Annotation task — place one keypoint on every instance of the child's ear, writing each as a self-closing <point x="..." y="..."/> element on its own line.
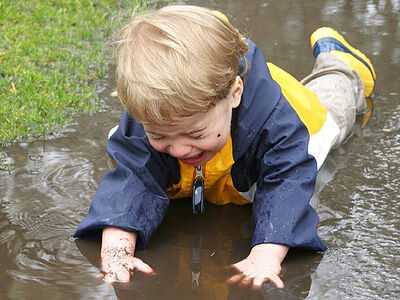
<point x="237" y="91"/>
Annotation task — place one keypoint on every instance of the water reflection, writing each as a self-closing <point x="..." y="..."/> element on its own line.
<point x="51" y="184"/>
<point x="191" y="256"/>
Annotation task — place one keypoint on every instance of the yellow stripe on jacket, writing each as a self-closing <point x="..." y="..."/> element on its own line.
<point x="218" y="183"/>
<point x="304" y="102"/>
<point x="321" y="127"/>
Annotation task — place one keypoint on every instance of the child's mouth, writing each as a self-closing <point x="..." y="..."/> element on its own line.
<point x="194" y="160"/>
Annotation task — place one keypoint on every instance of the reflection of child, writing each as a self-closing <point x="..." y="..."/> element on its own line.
<point x="196" y="93"/>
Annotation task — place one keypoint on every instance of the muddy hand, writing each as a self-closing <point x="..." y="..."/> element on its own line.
<point x="118" y="265"/>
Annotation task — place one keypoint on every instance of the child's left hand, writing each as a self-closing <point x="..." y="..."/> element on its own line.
<point x="262" y="264"/>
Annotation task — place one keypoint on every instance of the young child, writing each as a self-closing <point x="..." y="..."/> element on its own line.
<point x="196" y="93"/>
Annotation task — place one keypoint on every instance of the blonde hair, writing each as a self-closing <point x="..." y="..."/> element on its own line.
<point x="176" y="61"/>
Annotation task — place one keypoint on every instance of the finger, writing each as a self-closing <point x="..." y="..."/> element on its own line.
<point x="257" y="283"/>
<point x="123" y="276"/>
<point x="276" y="281"/>
<point x="234" y="268"/>
<point x="143" y="267"/>
<point x="228" y="271"/>
<point x="246" y="281"/>
<point x="235" y="279"/>
<point x="100" y="276"/>
<point x="110" y="277"/>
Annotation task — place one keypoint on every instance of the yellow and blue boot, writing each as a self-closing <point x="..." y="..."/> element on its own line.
<point x="326" y="39"/>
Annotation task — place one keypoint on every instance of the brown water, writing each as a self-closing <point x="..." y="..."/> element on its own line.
<point x="50" y="184"/>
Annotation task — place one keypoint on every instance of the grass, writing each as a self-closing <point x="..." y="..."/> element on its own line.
<point x="53" y="53"/>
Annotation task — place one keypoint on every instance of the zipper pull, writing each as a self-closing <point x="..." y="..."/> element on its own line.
<point x="198" y="191"/>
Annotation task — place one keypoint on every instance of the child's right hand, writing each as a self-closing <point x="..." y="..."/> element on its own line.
<point x="117" y="256"/>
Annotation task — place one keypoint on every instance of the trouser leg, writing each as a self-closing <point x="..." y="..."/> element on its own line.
<point x="340" y="89"/>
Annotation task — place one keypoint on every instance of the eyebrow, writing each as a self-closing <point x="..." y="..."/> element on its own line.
<point x="151" y="132"/>
<point x="186" y="132"/>
<point x="196" y="130"/>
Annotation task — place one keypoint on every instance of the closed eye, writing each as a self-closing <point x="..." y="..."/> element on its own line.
<point x="156" y="137"/>
<point x="198" y="137"/>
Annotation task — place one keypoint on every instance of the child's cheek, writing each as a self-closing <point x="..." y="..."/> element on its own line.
<point x="157" y="145"/>
<point x="219" y="142"/>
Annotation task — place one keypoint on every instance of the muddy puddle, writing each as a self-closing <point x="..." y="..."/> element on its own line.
<point x="50" y="184"/>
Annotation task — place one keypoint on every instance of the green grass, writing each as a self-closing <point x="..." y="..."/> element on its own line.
<point x="53" y="53"/>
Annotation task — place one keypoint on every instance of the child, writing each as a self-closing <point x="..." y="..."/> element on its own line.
<point x="197" y="93"/>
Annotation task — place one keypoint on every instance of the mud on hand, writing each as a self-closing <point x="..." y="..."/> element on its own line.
<point x="118" y="265"/>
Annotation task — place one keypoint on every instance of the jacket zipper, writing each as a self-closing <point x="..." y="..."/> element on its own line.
<point x="198" y="191"/>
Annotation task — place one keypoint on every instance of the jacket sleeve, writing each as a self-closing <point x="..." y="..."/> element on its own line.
<point x="285" y="183"/>
<point x="131" y="196"/>
<point x="270" y="145"/>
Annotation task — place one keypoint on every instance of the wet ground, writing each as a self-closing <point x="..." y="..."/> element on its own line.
<point x="49" y="185"/>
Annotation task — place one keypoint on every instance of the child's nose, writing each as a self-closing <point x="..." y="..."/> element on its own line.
<point x="180" y="150"/>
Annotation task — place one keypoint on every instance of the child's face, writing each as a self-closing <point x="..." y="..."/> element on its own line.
<point x="194" y="140"/>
